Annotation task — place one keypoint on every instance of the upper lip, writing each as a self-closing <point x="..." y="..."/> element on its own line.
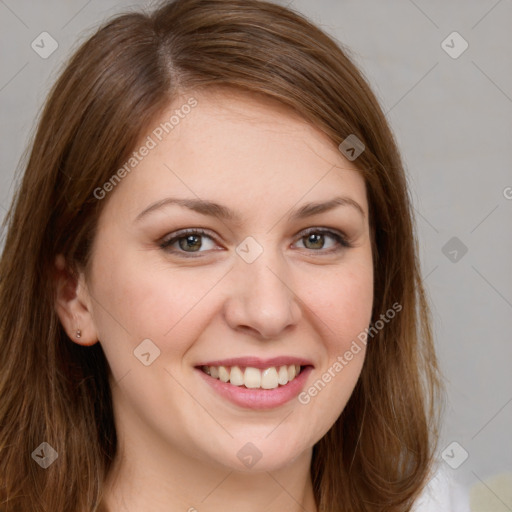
<point x="256" y="362"/>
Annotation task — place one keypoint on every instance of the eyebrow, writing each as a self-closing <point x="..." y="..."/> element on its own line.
<point x="219" y="211"/>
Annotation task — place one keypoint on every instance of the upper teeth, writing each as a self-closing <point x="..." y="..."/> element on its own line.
<point x="250" y="377"/>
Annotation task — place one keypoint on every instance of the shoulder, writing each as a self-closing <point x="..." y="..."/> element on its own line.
<point x="443" y="494"/>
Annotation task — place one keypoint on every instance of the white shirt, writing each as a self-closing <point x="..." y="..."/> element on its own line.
<point x="443" y="494"/>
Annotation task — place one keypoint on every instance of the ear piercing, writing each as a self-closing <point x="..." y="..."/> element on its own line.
<point x="78" y="333"/>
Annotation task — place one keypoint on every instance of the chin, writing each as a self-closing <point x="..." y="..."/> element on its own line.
<point x="262" y="454"/>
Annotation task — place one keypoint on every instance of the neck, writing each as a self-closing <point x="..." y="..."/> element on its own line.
<point x="157" y="480"/>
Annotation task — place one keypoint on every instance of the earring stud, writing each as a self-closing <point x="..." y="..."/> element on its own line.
<point x="78" y="333"/>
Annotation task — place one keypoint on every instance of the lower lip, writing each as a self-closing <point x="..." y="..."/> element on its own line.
<point x="258" y="398"/>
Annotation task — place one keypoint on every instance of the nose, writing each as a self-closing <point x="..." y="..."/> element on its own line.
<point x="262" y="301"/>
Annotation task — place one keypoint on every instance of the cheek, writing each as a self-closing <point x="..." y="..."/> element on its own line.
<point x="343" y="306"/>
<point x="137" y="301"/>
<point x="343" y="301"/>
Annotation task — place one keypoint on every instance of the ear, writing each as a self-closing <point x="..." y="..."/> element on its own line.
<point x="73" y="304"/>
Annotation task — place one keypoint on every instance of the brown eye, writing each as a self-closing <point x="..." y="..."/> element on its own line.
<point x="323" y="240"/>
<point x="192" y="242"/>
<point x="314" y="241"/>
<point x="188" y="241"/>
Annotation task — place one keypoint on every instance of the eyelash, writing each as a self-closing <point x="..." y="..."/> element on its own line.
<point x="338" y="237"/>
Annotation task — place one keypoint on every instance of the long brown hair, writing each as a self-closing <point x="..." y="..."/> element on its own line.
<point x="378" y="454"/>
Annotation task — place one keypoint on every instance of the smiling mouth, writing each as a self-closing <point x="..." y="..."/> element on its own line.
<point x="254" y="378"/>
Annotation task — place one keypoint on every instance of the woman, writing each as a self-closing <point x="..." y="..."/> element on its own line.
<point x="210" y="287"/>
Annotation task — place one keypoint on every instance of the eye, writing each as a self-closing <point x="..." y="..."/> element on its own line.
<point x="316" y="239"/>
<point x="188" y="241"/>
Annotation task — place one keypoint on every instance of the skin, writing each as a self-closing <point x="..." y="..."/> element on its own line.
<point x="179" y="439"/>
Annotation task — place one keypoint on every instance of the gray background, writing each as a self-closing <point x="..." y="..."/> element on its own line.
<point x="453" y="121"/>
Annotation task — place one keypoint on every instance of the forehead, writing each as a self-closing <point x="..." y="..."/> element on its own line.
<point x="236" y="145"/>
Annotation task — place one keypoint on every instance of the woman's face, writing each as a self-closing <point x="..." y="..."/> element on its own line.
<point x="265" y="285"/>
